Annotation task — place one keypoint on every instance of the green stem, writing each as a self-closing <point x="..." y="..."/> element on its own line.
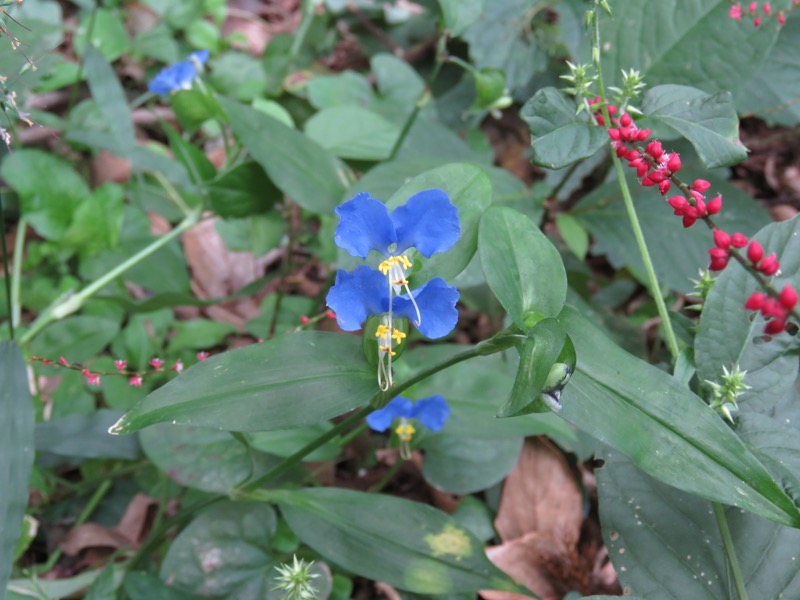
<point x="15" y="303"/>
<point x="66" y="306"/>
<point x="388" y="477"/>
<point x="730" y="551"/>
<point x="73" y="97"/>
<point x="655" y="289"/>
<point x="7" y="281"/>
<point x="302" y="31"/>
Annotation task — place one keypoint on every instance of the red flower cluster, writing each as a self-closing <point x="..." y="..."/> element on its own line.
<point x="135" y="379"/>
<point x="736" y="12"/>
<point x="775" y="310"/>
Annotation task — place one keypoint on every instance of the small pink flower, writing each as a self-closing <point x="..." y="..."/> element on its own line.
<point x="91" y="378"/>
<point x="715" y="205"/>
<point x="767" y="8"/>
<point x="202" y="355"/>
<point x="722" y="239"/>
<point x="757" y="22"/>
<point x="755" y="252"/>
<point x="330" y="314"/>
<point x="156" y="363"/>
<point x="775" y="326"/>
<point x="674" y="162"/>
<point x="63" y="361"/>
<point x="135" y="381"/>
<point x="735" y="12"/>
<point x="769" y="266"/>
<point x="120" y="364"/>
<point x="781" y="18"/>
<point x="753" y="7"/>
<point x="701" y="185"/>
<point x="304" y="320"/>
<point x="178" y="366"/>
<point x="738" y="240"/>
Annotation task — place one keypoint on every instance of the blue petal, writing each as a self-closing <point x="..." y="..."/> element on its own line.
<point x="364" y="225"/>
<point x="381" y="420"/>
<point x="357" y="295"/>
<point x="431" y="412"/>
<point x="173" y="78"/>
<point x="437" y="307"/>
<point x="200" y="56"/>
<point x="428" y="221"/>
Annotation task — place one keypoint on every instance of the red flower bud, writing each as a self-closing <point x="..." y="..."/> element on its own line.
<point x="643" y="135"/>
<point x="613" y="133"/>
<point x="625" y="120"/>
<point x="632" y="155"/>
<point x="621" y="150"/>
<point x="773" y="309"/>
<point x="701" y="207"/>
<point x="612" y="110"/>
<point x="755" y="301"/>
<point x="753" y="7"/>
<point x="757" y="23"/>
<point x="715" y="205"/>
<point x="788" y="297"/>
<point x="678" y="202"/>
<point x="769" y="266"/>
<point x="775" y="326"/>
<point x="655" y="150"/>
<point x="701" y="185"/>
<point x="718" y="264"/>
<point x="722" y="239"/>
<point x="767" y="8"/>
<point x="738" y="240"/>
<point x="674" y="162"/>
<point x="755" y="252"/>
<point x="688" y="221"/>
<point x="781" y="18"/>
<point x="600" y="119"/>
<point x="663" y="187"/>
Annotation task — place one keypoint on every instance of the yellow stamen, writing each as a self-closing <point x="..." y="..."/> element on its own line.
<point x="405" y="431"/>
<point x="398" y="336"/>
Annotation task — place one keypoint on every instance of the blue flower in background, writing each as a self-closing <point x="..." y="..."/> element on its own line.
<point x="430" y="412"/>
<point x="179" y="76"/>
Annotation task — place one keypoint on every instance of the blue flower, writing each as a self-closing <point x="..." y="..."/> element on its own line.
<point x="431" y="412"/>
<point x="178" y="76"/>
<point x="364" y="292"/>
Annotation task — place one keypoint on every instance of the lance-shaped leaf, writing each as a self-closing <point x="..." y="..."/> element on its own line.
<point x="409" y="545"/>
<point x="290" y="381"/>
<point x="666" y="430"/>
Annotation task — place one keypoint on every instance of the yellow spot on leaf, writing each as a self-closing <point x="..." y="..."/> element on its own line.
<point x="451" y="540"/>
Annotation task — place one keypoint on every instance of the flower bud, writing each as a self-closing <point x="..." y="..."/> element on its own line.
<point x="655" y="150"/>
<point x="701" y="185"/>
<point x="738" y="240"/>
<point x="688" y="221"/>
<point x="674" y="162"/>
<point x="775" y="326"/>
<point x="714" y="205"/>
<point x="755" y="252"/>
<point x="722" y="239"/>
<point x="773" y="309"/>
<point x="788" y="297"/>
<point x="612" y="133"/>
<point x="625" y="120"/>
<point x="769" y="266"/>
<point x="755" y="301"/>
<point x="663" y="187"/>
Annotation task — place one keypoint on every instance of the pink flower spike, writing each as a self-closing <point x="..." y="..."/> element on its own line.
<point x="755" y="252"/>
<point x="755" y="301"/>
<point x="701" y="185"/>
<point x="722" y="239"/>
<point x="330" y="314"/>
<point x="135" y="381"/>
<point x="120" y="364"/>
<point x="688" y="221"/>
<point x="91" y="378"/>
<point x="613" y="133"/>
<point x="156" y="363"/>
<point x="718" y="253"/>
<point x="715" y="205"/>
<point x="202" y="355"/>
<point x="678" y="202"/>
<point x="655" y="150"/>
<point x="738" y="240"/>
<point x="788" y="297"/>
<point x="718" y="264"/>
<point x="63" y="361"/>
<point x="772" y="309"/>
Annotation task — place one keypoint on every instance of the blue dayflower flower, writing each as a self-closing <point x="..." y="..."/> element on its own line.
<point x="178" y="76"/>
<point x="357" y="295"/>
<point x="431" y="412"/>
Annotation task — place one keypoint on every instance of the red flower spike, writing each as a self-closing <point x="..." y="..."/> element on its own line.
<point x="715" y="205"/>
<point x="722" y="239"/>
<point x="755" y="252"/>
<point x="696" y="195"/>
<point x="632" y="155"/>
<point x="735" y="12"/>
<point x="663" y="187"/>
<point x="156" y="363"/>
<point x="688" y="221"/>
<point x="755" y="301"/>
<point x="677" y="202"/>
<point x="775" y="326"/>
<point x="701" y="207"/>
<point x="600" y="120"/>
<point x="769" y="266"/>
<point x="655" y="177"/>
<point x="738" y="240"/>
<point x="612" y="110"/>
<point x="674" y="162"/>
<point x="788" y="297"/>
<point x="701" y="185"/>
<point x="120" y="364"/>
<point x="612" y="133"/>
<point x="625" y="120"/>
<point x="621" y="151"/>
<point x="655" y="150"/>
<point x="135" y="381"/>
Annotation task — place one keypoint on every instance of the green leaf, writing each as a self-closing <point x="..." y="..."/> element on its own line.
<point x="193" y="107"/>
<point x="772" y="93"/>
<point x="77" y="338"/>
<point x="49" y="202"/>
<point x="225" y="553"/>
<point x="685" y="52"/>
<point x="294" y="380"/>
<point x="286" y="442"/>
<point x="56" y="589"/>
<point x="490" y="86"/>
<point x="111" y="101"/>
<point x="460" y="465"/>
<point x="197" y="457"/>
<point x="353" y="132"/>
<point x="709" y="122"/>
<point x="79" y="436"/>
<point x="640" y="410"/>
<point x="345" y="89"/>
<point x="460" y="14"/>
<point x="470" y="189"/>
<point x="298" y="166"/>
<point x="104" y="586"/>
<point x="727" y="336"/>
<point x="574" y="234"/>
<point x="406" y="544"/>
<point x="143" y="586"/>
<point x="399" y="85"/>
<point x="197" y="334"/>
<point x="17" y="450"/>
<point x="197" y="165"/>
<point x="559" y="137"/>
<point x="240" y="75"/>
<point x="522" y="267"/>
<point x="97" y="220"/>
<point x="109" y="36"/>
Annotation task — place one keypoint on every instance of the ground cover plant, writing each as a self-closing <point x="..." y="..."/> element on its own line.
<point x="400" y="299"/>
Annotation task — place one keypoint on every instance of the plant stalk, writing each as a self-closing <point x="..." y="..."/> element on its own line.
<point x="730" y="551"/>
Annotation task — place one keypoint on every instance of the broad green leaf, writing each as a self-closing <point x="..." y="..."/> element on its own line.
<point x="225" y="553"/>
<point x="109" y="36"/>
<point x="460" y="14"/>
<point x="97" y="220"/>
<point x="104" y="586"/>
<point x="574" y="234"/>
<point x="460" y="465"/>
<point x="470" y="190"/>
<point x="773" y="91"/>
<point x="344" y="89"/>
<point x="239" y="75"/>
<point x="503" y="37"/>
<point x="399" y="87"/>
<point x="657" y="524"/>
<point x="110" y="98"/>
<point x="39" y="26"/>
<point x="197" y="457"/>
<point x="522" y="267"/>
<point x="727" y="336"/>
<point x="77" y="338"/>
<point x="243" y="191"/>
<point x="144" y="586"/>
<point x="559" y="137"/>
<point x="640" y="411"/>
<point x="193" y="107"/>
<point x="353" y="132"/>
<point x="286" y="442"/>
<point x="294" y="380"/>
<point x="709" y="122"/>
<point x="85" y="436"/>
<point x="198" y="334"/>
<point x="300" y="167"/>
<point x="17" y="450"/>
<point x="257" y="233"/>
<point x="676" y="264"/>
<point x="197" y="165"/>
<point x="678" y="42"/>
<point x="55" y="589"/>
<point x="408" y="545"/>
<point x="49" y="203"/>
<point x="30" y="527"/>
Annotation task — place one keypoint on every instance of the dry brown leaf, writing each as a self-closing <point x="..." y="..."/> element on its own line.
<point x="108" y="167"/>
<point x="525" y="560"/>
<point x="129" y="532"/>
